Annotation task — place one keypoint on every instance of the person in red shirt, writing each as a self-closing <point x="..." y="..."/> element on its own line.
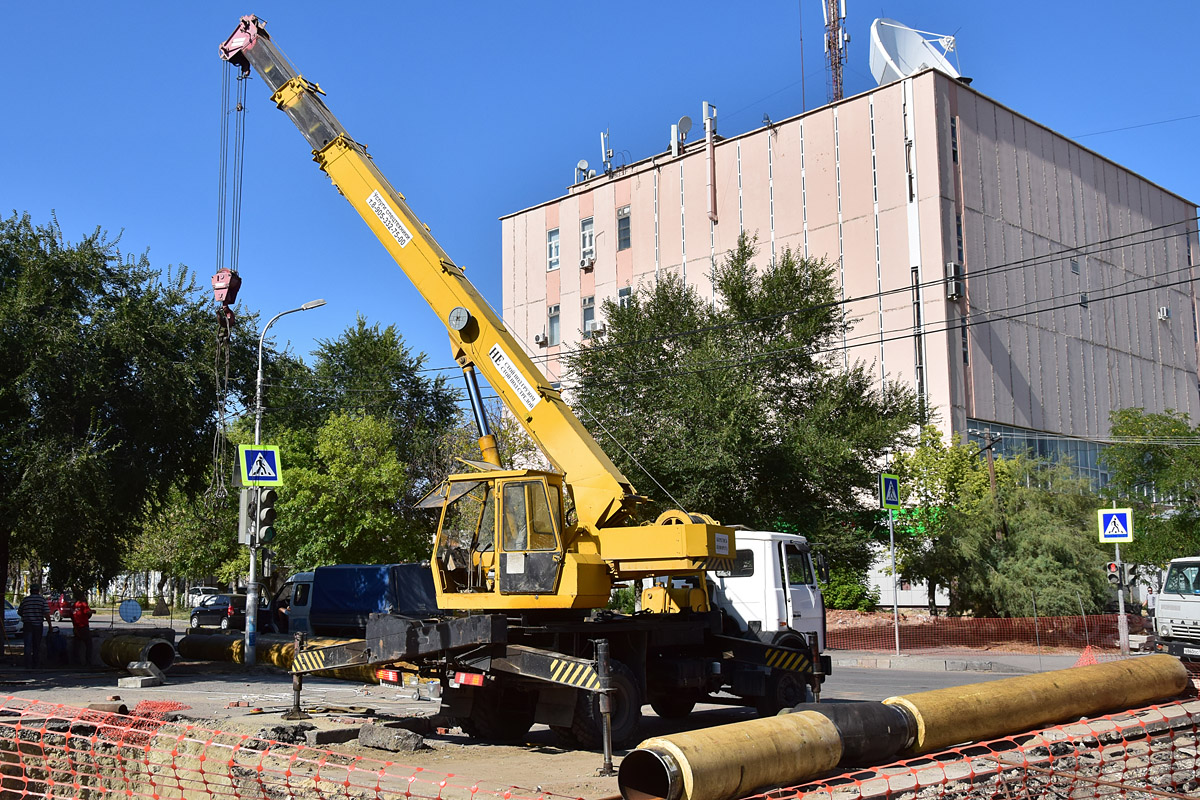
<point x="81" y="613"/>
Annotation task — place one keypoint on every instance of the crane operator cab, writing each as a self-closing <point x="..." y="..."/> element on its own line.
<point x="501" y="532"/>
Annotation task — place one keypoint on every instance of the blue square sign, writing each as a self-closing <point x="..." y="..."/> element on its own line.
<point x="1116" y="524"/>
<point x="889" y="491"/>
<point x="260" y="465"/>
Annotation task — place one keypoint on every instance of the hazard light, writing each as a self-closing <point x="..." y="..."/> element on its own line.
<point x="389" y="676"/>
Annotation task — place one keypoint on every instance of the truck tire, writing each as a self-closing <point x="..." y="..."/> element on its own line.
<point x="784" y="690"/>
<point x="587" y="730"/>
<point x="500" y="715"/>
<point x="673" y="706"/>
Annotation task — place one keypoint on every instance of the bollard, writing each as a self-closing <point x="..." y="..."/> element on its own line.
<point x="297" y="685"/>
<point x="602" y="666"/>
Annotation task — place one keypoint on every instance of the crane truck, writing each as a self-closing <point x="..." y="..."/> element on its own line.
<point x="524" y="561"/>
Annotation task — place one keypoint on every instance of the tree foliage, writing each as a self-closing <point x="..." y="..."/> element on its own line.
<point x="1158" y="478"/>
<point x="742" y="406"/>
<point x="107" y="392"/>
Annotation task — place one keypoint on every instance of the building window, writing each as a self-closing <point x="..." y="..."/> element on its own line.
<point x="623" y="228"/>
<point x="965" y="346"/>
<point x="623" y="296"/>
<point x="589" y="316"/>
<point x="954" y="139"/>
<point x="552" y="249"/>
<point x="1075" y="266"/>
<point x="587" y="239"/>
<point x="552" y="327"/>
<point x="959" y="233"/>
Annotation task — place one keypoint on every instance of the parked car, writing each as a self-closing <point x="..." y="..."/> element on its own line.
<point x="196" y="594"/>
<point x="59" y="604"/>
<point x="228" y="612"/>
<point x="12" y="620"/>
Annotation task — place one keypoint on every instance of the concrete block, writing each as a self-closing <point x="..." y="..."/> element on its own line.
<point x="147" y="668"/>
<point x="330" y="736"/>
<point x="395" y="740"/>
<point x="138" y="682"/>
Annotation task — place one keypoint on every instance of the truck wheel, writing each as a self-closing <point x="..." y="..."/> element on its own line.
<point x="588" y="727"/>
<point x="500" y="715"/>
<point x="673" y="706"/>
<point x="784" y="690"/>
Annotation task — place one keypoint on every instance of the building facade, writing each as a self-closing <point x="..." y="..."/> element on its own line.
<point x="1023" y="284"/>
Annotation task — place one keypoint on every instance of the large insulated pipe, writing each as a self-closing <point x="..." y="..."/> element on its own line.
<point x="117" y="651"/>
<point x="981" y="711"/>
<point x="206" y="647"/>
<point x="733" y="760"/>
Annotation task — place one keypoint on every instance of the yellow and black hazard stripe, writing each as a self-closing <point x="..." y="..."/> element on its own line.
<point x="789" y="660"/>
<point x="714" y="563"/>
<point x="574" y="673"/>
<point x="309" y="661"/>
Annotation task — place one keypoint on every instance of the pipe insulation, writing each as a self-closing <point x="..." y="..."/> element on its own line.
<point x="982" y="711"/>
<point x="733" y="760"/>
<point x="214" y="647"/>
<point x="117" y="651"/>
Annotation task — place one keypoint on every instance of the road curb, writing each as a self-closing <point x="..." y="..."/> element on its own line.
<point x="925" y="664"/>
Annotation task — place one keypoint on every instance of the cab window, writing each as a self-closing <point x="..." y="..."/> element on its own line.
<point x="1182" y="579"/>
<point x="743" y="566"/>
<point x="799" y="569"/>
<point x="528" y="523"/>
<point x="300" y="594"/>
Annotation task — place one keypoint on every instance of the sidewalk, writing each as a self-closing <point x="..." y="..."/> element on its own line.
<point x="956" y="661"/>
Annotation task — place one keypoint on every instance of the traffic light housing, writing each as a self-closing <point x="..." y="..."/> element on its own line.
<point x="265" y="515"/>
<point x="1113" y="569"/>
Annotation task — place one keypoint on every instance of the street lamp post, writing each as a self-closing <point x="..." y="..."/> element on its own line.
<point x="252" y="525"/>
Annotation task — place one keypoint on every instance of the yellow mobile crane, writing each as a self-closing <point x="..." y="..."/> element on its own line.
<point x="530" y="576"/>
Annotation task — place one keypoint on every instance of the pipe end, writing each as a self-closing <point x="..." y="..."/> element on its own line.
<point x="649" y="775"/>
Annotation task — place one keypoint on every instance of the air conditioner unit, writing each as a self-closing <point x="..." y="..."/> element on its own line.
<point x="595" y="328"/>
<point x="587" y="263"/>
<point x="540" y="339"/>
<point x="1164" y="312"/>
<point x="955" y="285"/>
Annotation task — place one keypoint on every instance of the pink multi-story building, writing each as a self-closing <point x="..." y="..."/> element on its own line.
<point x="1041" y="285"/>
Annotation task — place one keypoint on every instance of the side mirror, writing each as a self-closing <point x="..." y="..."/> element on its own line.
<point x="822" y="568"/>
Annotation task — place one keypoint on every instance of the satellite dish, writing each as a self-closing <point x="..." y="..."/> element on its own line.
<point x="898" y="51"/>
<point x="582" y="165"/>
<point x="685" y="125"/>
<point x="130" y="611"/>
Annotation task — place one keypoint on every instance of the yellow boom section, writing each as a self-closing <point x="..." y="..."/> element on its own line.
<point x="603" y="496"/>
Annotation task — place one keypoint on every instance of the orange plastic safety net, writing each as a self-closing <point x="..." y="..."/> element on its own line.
<point x="1147" y="753"/>
<point x="929" y="633"/>
<point x="55" y="751"/>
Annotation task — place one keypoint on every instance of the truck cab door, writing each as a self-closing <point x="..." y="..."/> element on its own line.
<point x="804" y="596"/>
<point x="530" y="539"/>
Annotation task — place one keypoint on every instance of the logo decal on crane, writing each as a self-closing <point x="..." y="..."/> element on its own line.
<point x="389" y="218"/>
<point x="513" y="377"/>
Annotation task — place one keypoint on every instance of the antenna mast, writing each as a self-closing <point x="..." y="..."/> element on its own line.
<point x="836" y="39"/>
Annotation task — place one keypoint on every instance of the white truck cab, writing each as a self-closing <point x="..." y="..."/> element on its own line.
<point x="772" y="589"/>
<point x="1177" y="611"/>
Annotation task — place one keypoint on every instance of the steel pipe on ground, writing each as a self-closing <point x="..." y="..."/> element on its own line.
<point x="117" y="651"/>
<point x="733" y="760"/>
<point x="279" y="654"/>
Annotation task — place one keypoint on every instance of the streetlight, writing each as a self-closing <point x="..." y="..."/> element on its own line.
<point x="252" y="587"/>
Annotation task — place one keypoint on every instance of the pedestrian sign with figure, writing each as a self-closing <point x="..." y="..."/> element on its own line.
<point x="889" y="491"/>
<point x="260" y="465"/>
<point x="1116" y="524"/>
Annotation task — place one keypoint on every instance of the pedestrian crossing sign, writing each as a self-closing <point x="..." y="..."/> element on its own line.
<point x="260" y="465"/>
<point x="1116" y="524"/>
<point x="889" y="491"/>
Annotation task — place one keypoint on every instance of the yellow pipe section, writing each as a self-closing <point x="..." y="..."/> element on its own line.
<point x="982" y="711"/>
<point x="731" y="760"/>
<point x="117" y="651"/>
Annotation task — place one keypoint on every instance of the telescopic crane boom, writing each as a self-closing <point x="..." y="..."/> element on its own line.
<point x="504" y="541"/>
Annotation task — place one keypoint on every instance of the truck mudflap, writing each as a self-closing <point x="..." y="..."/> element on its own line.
<point x="393" y="638"/>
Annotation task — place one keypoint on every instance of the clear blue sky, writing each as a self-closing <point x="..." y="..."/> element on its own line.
<point x="474" y="110"/>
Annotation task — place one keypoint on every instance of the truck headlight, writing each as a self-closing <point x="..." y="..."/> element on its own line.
<point x="1164" y="630"/>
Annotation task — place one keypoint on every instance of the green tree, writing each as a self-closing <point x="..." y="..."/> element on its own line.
<point x="1036" y="540"/>
<point x="938" y="483"/>
<point x="1157" y="476"/>
<point x="106" y="391"/>
<point x="742" y="406"/>
<point x="343" y="502"/>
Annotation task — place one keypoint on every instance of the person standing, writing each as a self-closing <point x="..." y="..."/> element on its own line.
<point x="33" y="610"/>
<point x="1151" y="602"/>
<point x="81" y="629"/>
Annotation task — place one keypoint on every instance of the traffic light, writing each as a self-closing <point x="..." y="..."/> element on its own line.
<point x="265" y="515"/>
<point x="1114" y="573"/>
<point x="247" y="509"/>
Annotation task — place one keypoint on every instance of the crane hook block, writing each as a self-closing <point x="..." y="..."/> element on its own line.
<point x="225" y="286"/>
